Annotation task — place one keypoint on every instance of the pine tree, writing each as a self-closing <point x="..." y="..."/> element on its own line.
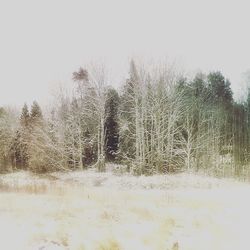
<point x="6" y="137"/>
<point x="239" y="137"/>
<point x="89" y="154"/>
<point x="36" y="117"/>
<point x="20" y="146"/>
<point x="25" y="116"/>
<point x="128" y="116"/>
<point x="38" y="140"/>
<point x="111" y="124"/>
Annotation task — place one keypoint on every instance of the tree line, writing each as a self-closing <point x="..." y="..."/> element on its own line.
<point x="159" y="122"/>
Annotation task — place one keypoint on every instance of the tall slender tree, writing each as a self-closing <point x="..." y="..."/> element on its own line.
<point x="111" y="126"/>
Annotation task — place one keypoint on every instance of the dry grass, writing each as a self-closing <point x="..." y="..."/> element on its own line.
<point x="65" y="213"/>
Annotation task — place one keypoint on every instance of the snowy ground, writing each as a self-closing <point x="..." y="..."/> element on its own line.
<point x="108" y="211"/>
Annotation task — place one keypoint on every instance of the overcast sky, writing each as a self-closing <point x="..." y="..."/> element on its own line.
<point x="43" y="41"/>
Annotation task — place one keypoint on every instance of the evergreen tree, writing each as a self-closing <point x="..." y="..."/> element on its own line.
<point x="239" y="137"/>
<point x="6" y="137"/>
<point x="219" y="88"/>
<point x="19" y="154"/>
<point x="111" y="124"/>
<point x="39" y="140"/>
<point x="89" y="149"/>
<point x="128" y="116"/>
<point x="20" y="145"/>
<point x="25" y="116"/>
<point x="248" y="123"/>
<point x="36" y="117"/>
<point x="221" y="100"/>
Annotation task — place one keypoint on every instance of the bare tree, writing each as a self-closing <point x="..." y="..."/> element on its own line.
<point x="91" y="96"/>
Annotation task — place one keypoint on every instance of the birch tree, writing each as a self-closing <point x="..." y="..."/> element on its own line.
<point x="151" y="108"/>
<point x="91" y="92"/>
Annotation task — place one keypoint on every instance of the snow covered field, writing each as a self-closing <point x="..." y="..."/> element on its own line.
<point x="107" y="211"/>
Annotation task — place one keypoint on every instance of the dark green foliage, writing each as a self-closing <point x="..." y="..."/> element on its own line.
<point x="239" y="136"/>
<point x="159" y="124"/>
<point x="36" y="116"/>
<point x="219" y="89"/>
<point x="80" y="75"/>
<point x="6" y="137"/>
<point x="25" y="116"/>
<point x="89" y="149"/>
<point x="21" y="141"/>
<point x="111" y="124"/>
<point x="127" y="118"/>
<point x="19" y="151"/>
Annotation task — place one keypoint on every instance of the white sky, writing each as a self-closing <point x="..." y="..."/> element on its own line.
<point x="43" y="42"/>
